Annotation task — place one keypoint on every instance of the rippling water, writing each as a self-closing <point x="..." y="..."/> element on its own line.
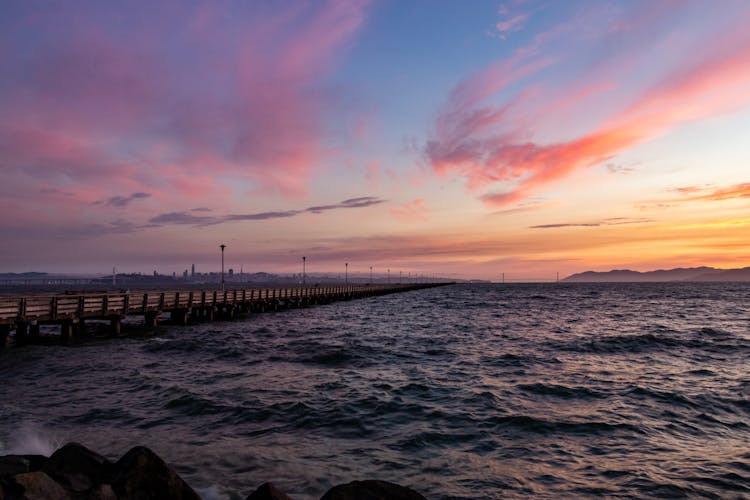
<point x="468" y="391"/>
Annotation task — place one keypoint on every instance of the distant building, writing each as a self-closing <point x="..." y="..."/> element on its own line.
<point x="192" y="271"/>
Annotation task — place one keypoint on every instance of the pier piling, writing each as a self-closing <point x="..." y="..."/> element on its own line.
<point x="4" y="335"/>
<point x="115" y="325"/>
<point x="150" y="318"/>
<point x="22" y="332"/>
<point x="66" y="331"/>
<point x="179" y="316"/>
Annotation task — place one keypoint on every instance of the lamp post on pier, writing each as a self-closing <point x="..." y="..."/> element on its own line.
<point x="222" y="246"/>
<point x="304" y="275"/>
<point x="389" y="276"/>
<point x="346" y="273"/>
<point x="371" y="275"/>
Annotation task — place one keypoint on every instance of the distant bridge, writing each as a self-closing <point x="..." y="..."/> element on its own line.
<point x="25" y="314"/>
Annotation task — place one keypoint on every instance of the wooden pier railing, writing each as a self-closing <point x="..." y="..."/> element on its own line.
<point x="25" y="314"/>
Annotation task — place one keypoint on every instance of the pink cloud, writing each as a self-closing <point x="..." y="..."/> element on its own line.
<point x="185" y="107"/>
<point x="37" y="153"/>
<point x="414" y="211"/>
<point x="483" y="142"/>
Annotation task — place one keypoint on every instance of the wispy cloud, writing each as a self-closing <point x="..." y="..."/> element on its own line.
<point x="615" y="221"/>
<point x="511" y="24"/>
<point x="259" y="216"/>
<point x="361" y="202"/>
<point x="182" y="218"/>
<point x="511" y="20"/>
<point x="708" y="193"/>
<point x="414" y="211"/>
<point x="616" y="168"/>
<point x="122" y="201"/>
<point x="206" y="220"/>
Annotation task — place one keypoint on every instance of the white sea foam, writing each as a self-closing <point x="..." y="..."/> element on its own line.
<point x="30" y="439"/>
<point x="211" y="493"/>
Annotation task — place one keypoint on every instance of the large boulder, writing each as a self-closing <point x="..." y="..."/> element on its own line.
<point x="268" y="491"/>
<point x="78" y="468"/>
<point x="371" y="490"/>
<point x="141" y="475"/>
<point x="36" y="486"/>
<point x="36" y="462"/>
<point x="10" y="465"/>
<point x="102" y="492"/>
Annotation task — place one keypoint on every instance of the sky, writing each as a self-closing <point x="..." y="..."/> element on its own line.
<point x="463" y="139"/>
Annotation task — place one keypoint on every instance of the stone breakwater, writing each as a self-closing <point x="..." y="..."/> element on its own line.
<point x="76" y="473"/>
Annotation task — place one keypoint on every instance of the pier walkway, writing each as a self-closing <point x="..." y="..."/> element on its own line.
<point x="25" y="314"/>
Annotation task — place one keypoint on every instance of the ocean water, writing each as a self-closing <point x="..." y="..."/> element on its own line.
<point x="466" y="391"/>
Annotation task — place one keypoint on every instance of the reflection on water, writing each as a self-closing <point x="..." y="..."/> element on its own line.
<point x="471" y="391"/>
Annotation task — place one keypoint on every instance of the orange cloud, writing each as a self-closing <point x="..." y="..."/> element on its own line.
<point x="697" y="193"/>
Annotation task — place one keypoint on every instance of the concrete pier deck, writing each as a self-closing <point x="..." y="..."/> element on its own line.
<point x="25" y="314"/>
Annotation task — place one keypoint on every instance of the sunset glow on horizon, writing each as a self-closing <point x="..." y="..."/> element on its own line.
<point x="460" y="139"/>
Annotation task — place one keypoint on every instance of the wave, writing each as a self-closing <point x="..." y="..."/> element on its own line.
<point x="542" y="426"/>
<point x="561" y="391"/>
<point x="668" y="340"/>
<point x="516" y="360"/>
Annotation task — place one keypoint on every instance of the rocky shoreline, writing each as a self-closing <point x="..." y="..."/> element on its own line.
<point x="74" y="472"/>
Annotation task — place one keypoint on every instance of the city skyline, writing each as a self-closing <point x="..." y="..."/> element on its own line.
<point x="468" y="140"/>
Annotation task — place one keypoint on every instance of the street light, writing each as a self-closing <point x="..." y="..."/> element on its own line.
<point x="222" y="246"/>
<point x="303" y="271"/>
<point x="371" y="275"/>
<point x="346" y="273"/>
<point x="389" y="276"/>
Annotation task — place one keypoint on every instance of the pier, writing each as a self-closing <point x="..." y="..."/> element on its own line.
<point x="25" y="314"/>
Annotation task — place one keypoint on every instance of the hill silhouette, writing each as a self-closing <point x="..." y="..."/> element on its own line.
<point x="702" y="273"/>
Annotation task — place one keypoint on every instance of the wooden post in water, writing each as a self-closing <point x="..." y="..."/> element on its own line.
<point x="151" y="319"/>
<point x="115" y="325"/>
<point x="81" y="330"/>
<point x="66" y="331"/>
<point x="179" y="316"/>
<point x="4" y="335"/>
<point x="22" y="332"/>
<point x="34" y="330"/>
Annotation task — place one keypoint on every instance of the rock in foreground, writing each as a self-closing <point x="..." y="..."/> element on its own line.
<point x="268" y="491"/>
<point x="76" y="473"/>
<point x="371" y="490"/>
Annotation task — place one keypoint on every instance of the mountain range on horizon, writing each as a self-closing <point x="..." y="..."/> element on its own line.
<point x="703" y="273"/>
